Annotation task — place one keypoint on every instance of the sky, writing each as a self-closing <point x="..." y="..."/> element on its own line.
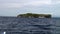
<point x="15" y="7"/>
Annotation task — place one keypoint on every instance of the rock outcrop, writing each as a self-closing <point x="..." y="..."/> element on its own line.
<point x="31" y="15"/>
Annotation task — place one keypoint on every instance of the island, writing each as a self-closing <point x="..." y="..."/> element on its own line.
<point x="33" y="15"/>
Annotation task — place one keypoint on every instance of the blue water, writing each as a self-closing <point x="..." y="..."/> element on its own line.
<point x="14" y="25"/>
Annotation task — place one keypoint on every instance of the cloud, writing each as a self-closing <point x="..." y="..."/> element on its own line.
<point x="56" y="2"/>
<point x="34" y="3"/>
<point x="23" y="3"/>
<point x="35" y="6"/>
<point x="11" y="5"/>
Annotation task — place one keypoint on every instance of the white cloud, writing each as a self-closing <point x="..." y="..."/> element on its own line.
<point x="36" y="3"/>
<point x="26" y="3"/>
<point x="11" y="5"/>
<point x="37" y="6"/>
<point x="56" y="2"/>
<point x="20" y="4"/>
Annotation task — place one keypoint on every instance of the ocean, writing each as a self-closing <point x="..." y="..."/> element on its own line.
<point x="14" y="25"/>
<point x="57" y="25"/>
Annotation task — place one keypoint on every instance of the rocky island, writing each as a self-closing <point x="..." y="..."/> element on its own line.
<point x="32" y="15"/>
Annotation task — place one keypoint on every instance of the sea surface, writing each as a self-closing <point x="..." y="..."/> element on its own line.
<point x="14" y="25"/>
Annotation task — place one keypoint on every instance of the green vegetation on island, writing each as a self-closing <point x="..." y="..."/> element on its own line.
<point x="32" y="15"/>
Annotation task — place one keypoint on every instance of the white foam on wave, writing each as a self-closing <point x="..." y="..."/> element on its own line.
<point x="4" y="32"/>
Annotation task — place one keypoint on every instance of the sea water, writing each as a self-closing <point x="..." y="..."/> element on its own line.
<point x="14" y="25"/>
